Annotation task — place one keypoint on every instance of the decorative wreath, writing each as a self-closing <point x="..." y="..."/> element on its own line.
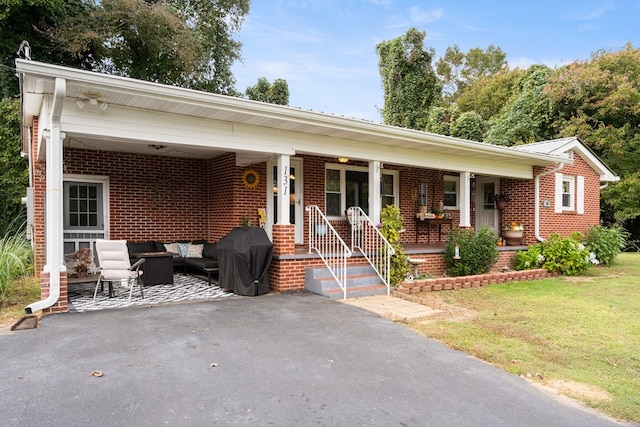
<point x="250" y="178"/>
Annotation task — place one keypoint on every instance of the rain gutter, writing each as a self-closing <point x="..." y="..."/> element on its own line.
<point x="54" y="197"/>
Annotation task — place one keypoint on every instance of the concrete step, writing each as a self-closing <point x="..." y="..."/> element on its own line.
<point x="361" y="281"/>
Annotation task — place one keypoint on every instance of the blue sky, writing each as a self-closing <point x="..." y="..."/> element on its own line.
<point x="325" y="49"/>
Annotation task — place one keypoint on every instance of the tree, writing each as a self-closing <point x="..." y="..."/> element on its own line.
<point x="409" y="83"/>
<point x="35" y="21"/>
<point x="14" y="177"/>
<point x="488" y="95"/>
<point x="599" y="101"/>
<point x="460" y="70"/>
<point x="186" y="43"/>
<point x="276" y="93"/>
<point x="528" y="116"/>
<point x="469" y="125"/>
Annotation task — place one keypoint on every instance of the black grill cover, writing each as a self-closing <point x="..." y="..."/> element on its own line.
<point x="244" y="256"/>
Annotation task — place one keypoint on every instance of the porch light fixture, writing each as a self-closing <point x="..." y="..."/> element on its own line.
<point x="94" y="98"/>
<point x="343" y="160"/>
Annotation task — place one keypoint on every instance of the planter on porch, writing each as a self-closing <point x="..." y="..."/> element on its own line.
<point x="512" y="237"/>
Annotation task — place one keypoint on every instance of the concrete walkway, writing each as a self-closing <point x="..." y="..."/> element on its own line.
<point x="396" y="309"/>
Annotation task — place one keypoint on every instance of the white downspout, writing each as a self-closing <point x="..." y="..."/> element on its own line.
<point x="53" y="203"/>
<point x="537" y="200"/>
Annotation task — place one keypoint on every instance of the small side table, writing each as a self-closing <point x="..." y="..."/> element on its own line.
<point x="158" y="267"/>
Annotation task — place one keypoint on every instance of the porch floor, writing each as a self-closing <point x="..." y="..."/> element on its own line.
<point x="186" y="288"/>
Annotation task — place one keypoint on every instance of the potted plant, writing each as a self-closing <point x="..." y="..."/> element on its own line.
<point x="501" y="200"/>
<point x="82" y="259"/>
<point x="512" y="234"/>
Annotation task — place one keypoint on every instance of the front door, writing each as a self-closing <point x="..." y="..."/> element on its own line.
<point x="296" y="212"/>
<point x="486" y="212"/>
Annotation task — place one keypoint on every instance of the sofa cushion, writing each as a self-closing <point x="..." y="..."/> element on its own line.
<point x="194" y="251"/>
<point x="210" y="250"/>
<point x="201" y="263"/>
<point x="140" y="247"/>
<point x="173" y="247"/>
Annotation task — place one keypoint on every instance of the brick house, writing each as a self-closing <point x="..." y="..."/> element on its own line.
<point x="165" y="163"/>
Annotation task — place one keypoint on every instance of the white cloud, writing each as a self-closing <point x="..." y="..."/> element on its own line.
<point x="418" y="16"/>
<point x="589" y="15"/>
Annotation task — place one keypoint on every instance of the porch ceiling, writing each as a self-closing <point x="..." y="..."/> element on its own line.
<point x="379" y="140"/>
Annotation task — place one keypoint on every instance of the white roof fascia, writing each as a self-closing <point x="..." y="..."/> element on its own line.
<point x="562" y="146"/>
<point x="365" y="130"/>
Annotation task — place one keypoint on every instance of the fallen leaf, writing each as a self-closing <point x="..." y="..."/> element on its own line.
<point x="96" y="374"/>
<point x="214" y="365"/>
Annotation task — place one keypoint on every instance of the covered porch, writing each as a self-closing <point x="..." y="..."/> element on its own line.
<point x="164" y="163"/>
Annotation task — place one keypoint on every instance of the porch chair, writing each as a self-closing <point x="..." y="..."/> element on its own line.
<point x="113" y="257"/>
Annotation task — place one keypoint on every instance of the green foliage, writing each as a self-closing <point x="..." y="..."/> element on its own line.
<point x="599" y="101"/>
<point x="410" y="85"/>
<point x="181" y="42"/>
<point x="440" y="119"/>
<point x="15" y="258"/>
<point x="14" y="176"/>
<point x="34" y="21"/>
<point x="392" y="231"/>
<point x="459" y="70"/>
<point x="606" y="243"/>
<point x="528" y="116"/>
<point x="566" y="256"/>
<point x="530" y="259"/>
<point x="478" y="251"/>
<point x="469" y="125"/>
<point x="276" y="93"/>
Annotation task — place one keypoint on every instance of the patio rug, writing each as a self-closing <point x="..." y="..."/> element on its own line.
<point x="185" y="288"/>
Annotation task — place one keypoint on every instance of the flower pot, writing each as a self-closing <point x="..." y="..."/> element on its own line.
<point x="512" y="237"/>
<point x="501" y="204"/>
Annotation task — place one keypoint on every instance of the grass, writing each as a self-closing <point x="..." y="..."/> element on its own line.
<point x="25" y="291"/>
<point x="579" y="335"/>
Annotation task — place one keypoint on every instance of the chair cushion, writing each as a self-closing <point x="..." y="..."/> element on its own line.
<point x="173" y="247"/>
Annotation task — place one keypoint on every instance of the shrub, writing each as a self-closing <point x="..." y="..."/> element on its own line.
<point x="566" y="256"/>
<point x="392" y="231"/>
<point x="606" y="243"/>
<point x="529" y="259"/>
<point x="477" y="249"/>
<point x="15" y="257"/>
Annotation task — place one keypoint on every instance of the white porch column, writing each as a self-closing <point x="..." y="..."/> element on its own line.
<point x="284" y="189"/>
<point x="465" y="199"/>
<point x="375" y="201"/>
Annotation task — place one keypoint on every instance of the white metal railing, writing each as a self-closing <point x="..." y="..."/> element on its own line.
<point x="333" y="251"/>
<point x="366" y="237"/>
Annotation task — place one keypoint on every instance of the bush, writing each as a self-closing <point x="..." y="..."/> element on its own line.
<point x="477" y="249"/>
<point x="566" y="256"/>
<point x="15" y="257"/>
<point x="606" y="243"/>
<point x="392" y="231"/>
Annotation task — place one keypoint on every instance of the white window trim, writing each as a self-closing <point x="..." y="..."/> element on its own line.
<point x="343" y="185"/>
<point x="559" y="188"/>
<point x="455" y="179"/>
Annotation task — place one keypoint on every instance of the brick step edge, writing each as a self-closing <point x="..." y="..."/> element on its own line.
<point x="463" y="282"/>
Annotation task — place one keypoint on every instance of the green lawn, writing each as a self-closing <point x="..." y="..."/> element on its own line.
<point x="580" y="335"/>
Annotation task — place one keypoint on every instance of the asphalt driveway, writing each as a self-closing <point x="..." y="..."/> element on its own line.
<point x="297" y="359"/>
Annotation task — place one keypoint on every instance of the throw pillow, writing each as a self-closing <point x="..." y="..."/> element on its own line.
<point x="194" y="251"/>
<point x="172" y="247"/>
<point x="182" y="249"/>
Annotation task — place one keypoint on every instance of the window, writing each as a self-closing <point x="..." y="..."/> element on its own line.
<point x="83" y="206"/>
<point x="349" y="186"/>
<point x="450" y="186"/>
<point x="567" y="193"/>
